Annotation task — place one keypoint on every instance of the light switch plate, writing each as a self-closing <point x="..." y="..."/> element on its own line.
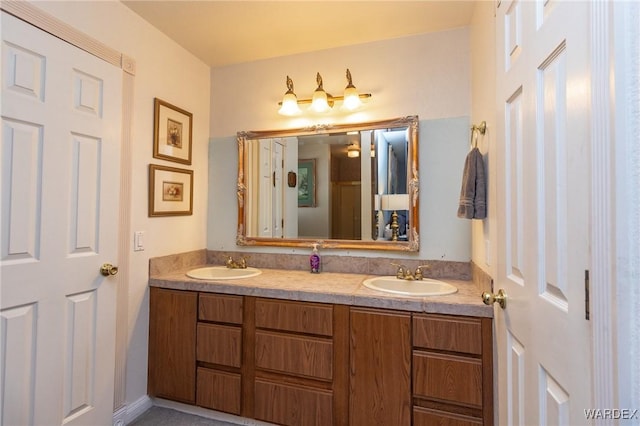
<point x="138" y="241"/>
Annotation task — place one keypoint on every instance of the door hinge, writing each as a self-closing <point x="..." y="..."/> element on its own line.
<point x="586" y="294"/>
<point x="274" y="179"/>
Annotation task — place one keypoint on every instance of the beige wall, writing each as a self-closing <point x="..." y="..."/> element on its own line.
<point x="483" y="108"/>
<point x="426" y="75"/>
<point x="167" y="71"/>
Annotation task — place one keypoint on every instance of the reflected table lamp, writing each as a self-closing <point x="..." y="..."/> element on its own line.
<point x="394" y="202"/>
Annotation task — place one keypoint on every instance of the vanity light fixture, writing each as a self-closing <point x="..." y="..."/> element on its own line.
<point x="321" y="101"/>
<point x="289" y="104"/>
<point x="351" y="97"/>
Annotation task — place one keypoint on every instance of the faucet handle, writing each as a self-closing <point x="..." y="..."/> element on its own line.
<point x="419" y="274"/>
<point x="401" y="272"/>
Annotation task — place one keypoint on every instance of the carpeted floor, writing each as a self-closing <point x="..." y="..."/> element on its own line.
<point x="160" y="416"/>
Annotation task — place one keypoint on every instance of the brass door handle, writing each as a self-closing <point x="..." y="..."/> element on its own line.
<point x="108" y="269"/>
<point x="490" y="298"/>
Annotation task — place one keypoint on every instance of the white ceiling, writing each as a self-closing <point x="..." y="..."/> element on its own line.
<point x="222" y="33"/>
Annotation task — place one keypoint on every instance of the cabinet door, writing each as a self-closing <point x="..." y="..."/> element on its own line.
<point x="380" y="368"/>
<point x="172" y="344"/>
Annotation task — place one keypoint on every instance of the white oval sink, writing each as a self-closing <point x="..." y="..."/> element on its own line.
<point x="424" y="287"/>
<point x="222" y="273"/>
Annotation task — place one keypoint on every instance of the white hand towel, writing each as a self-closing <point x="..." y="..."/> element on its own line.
<point x="473" y="194"/>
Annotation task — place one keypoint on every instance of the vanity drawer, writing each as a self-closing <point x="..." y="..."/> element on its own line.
<point x="446" y="333"/>
<point x="299" y="317"/>
<point x="220" y="308"/>
<point x="219" y="344"/>
<point x="448" y="378"/>
<point x="287" y="404"/>
<point x="303" y="356"/>
<point x="219" y="390"/>
<point x="428" y="417"/>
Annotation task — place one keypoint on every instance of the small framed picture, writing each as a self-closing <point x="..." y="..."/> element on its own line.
<point x="307" y="183"/>
<point x="171" y="132"/>
<point x="170" y="191"/>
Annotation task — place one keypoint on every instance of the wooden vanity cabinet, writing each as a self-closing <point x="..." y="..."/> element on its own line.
<point x="172" y="344"/>
<point x="303" y="363"/>
<point x="301" y="370"/>
<point x="452" y="370"/>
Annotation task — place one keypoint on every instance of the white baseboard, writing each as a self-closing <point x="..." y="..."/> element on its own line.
<point x="128" y="413"/>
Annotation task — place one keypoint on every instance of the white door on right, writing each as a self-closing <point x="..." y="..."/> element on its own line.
<point x="543" y="103"/>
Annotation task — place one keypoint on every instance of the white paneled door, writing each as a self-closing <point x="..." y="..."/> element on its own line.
<point x="61" y="125"/>
<point x="543" y="335"/>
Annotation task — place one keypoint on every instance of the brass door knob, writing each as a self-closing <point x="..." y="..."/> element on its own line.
<point x="108" y="269"/>
<point x="490" y="298"/>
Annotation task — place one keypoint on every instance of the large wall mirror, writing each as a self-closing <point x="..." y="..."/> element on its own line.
<point x="352" y="186"/>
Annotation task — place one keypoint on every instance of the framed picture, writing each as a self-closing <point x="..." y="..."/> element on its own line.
<point x="307" y="183"/>
<point x="171" y="132"/>
<point x="170" y="191"/>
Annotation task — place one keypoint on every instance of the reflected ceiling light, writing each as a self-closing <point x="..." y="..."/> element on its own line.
<point x="289" y="104"/>
<point x="353" y="151"/>
<point x="321" y="101"/>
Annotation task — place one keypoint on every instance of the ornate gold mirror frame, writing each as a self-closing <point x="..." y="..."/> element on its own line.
<point x="412" y="243"/>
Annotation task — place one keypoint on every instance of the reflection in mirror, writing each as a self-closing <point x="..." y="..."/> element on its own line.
<point x="344" y="186"/>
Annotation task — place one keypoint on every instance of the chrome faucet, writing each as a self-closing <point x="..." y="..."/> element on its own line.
<point x="404" y="273"/>
<point x="232" y="264"/>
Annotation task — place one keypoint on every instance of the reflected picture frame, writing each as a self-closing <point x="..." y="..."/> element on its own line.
<point x="172" y="132"/>
<point x="307" y="182"/>
<point x="170" y="191"/>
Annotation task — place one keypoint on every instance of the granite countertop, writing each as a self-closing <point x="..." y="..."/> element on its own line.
<point x="331" y="287"/>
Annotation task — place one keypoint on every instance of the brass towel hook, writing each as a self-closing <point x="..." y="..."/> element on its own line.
<point x="480" y="128"/>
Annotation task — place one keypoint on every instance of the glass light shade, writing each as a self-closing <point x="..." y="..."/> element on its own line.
<point x="289" y="105"/>
<point x="319" y="102"/>
<point x="351" y="98"/>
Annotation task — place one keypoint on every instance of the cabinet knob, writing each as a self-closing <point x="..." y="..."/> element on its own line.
<point x="490" y="298"/>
